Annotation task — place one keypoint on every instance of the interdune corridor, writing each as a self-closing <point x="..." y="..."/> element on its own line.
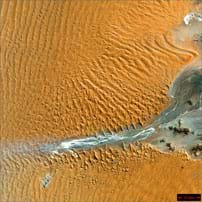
<point x="73" y="68"/>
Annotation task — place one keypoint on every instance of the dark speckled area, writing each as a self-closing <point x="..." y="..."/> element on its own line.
<point x="178" y="127"/>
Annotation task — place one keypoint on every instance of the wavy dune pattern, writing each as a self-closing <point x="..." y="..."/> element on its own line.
<point x="136" y="174"/>
<point x="75" y="68"/>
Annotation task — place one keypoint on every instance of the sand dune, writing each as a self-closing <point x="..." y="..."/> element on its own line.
<point x="137" y="174"/>
<point x="73" y="68"/>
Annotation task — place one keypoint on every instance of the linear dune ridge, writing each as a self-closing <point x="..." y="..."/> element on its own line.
<point x="70" y="69"/>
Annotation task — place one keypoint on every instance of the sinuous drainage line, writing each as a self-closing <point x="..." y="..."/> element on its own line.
<point x="178" y="127"/>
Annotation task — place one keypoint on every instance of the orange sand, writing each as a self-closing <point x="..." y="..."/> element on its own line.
<point x="115" y="175"/>
<point x="71" y="68"/>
